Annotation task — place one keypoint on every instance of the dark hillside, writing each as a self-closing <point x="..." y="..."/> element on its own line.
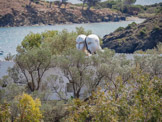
<point x="20" y="13"/>
<point x="135" y="37"/>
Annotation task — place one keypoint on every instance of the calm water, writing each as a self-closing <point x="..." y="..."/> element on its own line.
<point x="147" y="2"/>
<point x="11" y="37"/>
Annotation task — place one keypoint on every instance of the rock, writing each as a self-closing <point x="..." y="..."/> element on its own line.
<point x="20" y="13"/>
<point x="136" y="37"/>
<point x="106" y="19"/>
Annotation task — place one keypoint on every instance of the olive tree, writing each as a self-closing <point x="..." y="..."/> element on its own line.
<point x="87" y="73"/>
<point x="129" y="2"/>
<point x="114" y="66"/>
<point x="90" y="3"/>
<point x="74" y="65"/>
<point x="149" y="63"/>
<point x="33" y="64"/>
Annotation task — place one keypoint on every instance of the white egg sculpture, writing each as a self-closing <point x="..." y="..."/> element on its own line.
<point x="93" y="43"/>
<point x="80" y="42"/>
<point x="88" y="44"/>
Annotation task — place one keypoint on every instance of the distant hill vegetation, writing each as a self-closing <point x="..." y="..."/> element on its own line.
<point x="135" y="37"/>
<point x="131" y="9"/>
<point x="25" y="12"/>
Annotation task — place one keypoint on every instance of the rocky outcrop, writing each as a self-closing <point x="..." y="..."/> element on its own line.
<point x="135" y="37"/>
<point x="19" y="13"/>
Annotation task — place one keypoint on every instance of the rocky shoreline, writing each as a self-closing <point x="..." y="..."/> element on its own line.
<point x="20" y="14"/>
<point x="135" y="36"/>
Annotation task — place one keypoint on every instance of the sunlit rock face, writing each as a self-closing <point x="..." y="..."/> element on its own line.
<point x="80" y="42"/>
<point x="93" y="43"/>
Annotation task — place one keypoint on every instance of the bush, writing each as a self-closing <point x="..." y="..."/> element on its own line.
<point x="9" y="57"/>
<point x="28" y="109"/>
<point x="119" y="29"/>
<point x="132" y="25"/>
<point x="22" y="108"/>
<point x="31" y="40"/>
<point x="56" y="41"/>
<point x="53" y="112"/>
<point x="138" y="101"/>
<point x="142" y="33"/>
<point x="5" y="113"/>
<point x="107" y="4"/>
<point x="132" y="9"/>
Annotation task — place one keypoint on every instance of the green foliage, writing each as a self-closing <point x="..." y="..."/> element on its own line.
<point x="29" y="109"/>
<point x="19" y="107"/>
<point x="132" y="25"/>
<point x="48" y="34"/>
<point x="150" y="64"/>
<point x="142" y="33"/>
<point x="90" y="3"/>
<point x="61" y="42"/>
<point x="132" y="9"/>
<point x="159" y="48"/>
<point x="156" y="29"/>
<point x="155" y="51"/>
<point x="119" y="29"/>
<point x="129" y="2"/>
<point x="31" y="40"/>
<point x="34" y="55"/>
<point x="33" y="64"/>
<point x="119" y="89"/>
<point x="137" y="101"/>
<point x="5" y="113"/>
<point x="54" y="111"/>
<point x="9" y="57"/>
<point x="10" y="92"/>
<point x="65" y="40"/>
<point x="91" y="71"/>
<point x="56" y="41"/>
<point x="74" y="65"/>
<point x="110" y="4"/>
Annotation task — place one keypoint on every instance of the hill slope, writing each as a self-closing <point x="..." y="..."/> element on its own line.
<point x="136" y="37"/>
<point x="19" y="13"/>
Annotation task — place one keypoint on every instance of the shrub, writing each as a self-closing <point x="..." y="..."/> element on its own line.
<point x="138" y="101"/>
<point x="142" y="33"/>
<point x="31" y="40"/>
<point x="64" y="40"/>
<point x="9" y="57"/>
<point x="5" y="113"/>
<point x="28" y="109"/>
<point x="132" y="9"/>
<point x="132" y="25"/>
<point x="57" y="41"/>
<point x="53" y="112"/>
<point x="119" y="29"/>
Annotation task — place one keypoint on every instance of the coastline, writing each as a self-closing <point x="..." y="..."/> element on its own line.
<point x="18" y="14"/>
<point x="134" y="18"/>
<point x="129" y="18"/>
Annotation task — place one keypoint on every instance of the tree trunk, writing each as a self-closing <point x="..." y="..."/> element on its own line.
<point x="83" y="6"/>
<point x="77" y="94"/>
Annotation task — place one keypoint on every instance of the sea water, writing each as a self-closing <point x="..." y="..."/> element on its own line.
<point x="11" y="37"/>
